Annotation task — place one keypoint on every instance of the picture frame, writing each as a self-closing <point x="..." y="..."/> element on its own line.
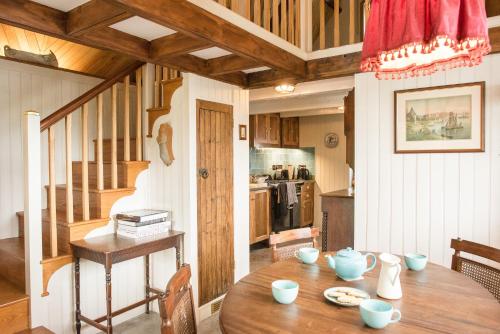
<point x="242" y="132"/>
<point x="440" y="119"/>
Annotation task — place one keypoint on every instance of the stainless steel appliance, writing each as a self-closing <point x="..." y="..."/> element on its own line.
<point x="303" y="173"/>
<point x="283" y="218"/>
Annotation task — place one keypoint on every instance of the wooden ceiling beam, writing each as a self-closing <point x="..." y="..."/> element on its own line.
<point x="175" y="45"/>
<point x="94" y="15"/>
<point x="317" y="69"/>
<point x="194" y="21"/>
<point x="230" y="64"/>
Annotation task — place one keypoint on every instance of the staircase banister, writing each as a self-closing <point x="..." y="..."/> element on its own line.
<point x="89" y="95"/>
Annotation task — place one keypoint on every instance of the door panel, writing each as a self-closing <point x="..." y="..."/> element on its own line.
<point x="261" y="129"/>
<point x="215" y="199"/>
<point x="274" y="130"/>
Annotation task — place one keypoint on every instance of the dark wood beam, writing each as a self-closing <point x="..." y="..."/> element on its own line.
<point x="317" y="69"/>
<point x="494" y="34"/>
<point x="176" y="44"/>
<point x="94" y="15"/>
<point x="230" y="64"/>
<point x="194" y="21"/>
<point x="492" y="7"/>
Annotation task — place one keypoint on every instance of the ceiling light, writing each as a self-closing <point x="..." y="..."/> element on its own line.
<point x="432" y="37"/>
<point x="285" y="88"/>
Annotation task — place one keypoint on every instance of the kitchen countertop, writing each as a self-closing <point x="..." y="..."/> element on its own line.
<point x="344" y="193"/>
<point x="269" y="187"/>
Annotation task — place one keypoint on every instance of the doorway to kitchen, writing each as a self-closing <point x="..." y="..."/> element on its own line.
<point x="214" y="123"/>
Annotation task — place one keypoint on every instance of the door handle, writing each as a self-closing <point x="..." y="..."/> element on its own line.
<point x="203" y="172"/>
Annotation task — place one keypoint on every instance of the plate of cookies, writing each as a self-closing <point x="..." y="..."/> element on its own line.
<point x="345" y="296"/>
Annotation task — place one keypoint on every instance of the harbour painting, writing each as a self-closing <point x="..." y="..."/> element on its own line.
<point x="440" y="119"/>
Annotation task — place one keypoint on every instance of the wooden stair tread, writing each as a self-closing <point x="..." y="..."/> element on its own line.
<point x="61" y="218"/>
<point x="38" y="330"/>
<point x="119" y="162"/>
<point x="13" y="246"/>
<point x="9" y="293"/>
<point x="63" y="186"/>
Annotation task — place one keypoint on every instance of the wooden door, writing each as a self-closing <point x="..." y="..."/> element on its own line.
<point x="274" y="137"/>
<point x="215" y="199"/>
<point x="259" y="215"/>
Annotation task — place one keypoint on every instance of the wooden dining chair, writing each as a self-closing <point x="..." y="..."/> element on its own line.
<point x="285" y="243"/>
<point x="485" y="275"/>
<point x="176" y="304"/>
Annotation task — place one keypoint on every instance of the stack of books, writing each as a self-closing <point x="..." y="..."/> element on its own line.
<point x="143" y="223"/>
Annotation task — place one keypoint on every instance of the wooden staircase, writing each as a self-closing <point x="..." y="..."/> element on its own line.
<point x="80" y="205"/>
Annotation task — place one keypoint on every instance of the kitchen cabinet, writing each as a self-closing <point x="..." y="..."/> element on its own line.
<point x="307" y="204"/>
<point x="338" y="220"/>
<point x="290" y="132"/>
<point x="260" y="215"/>
<point x="265" y="130"/>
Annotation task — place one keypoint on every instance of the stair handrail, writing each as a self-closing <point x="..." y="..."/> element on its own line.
<point x="86" y="97"/>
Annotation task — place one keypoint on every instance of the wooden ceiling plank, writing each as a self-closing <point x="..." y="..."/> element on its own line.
<point x="192" y="20"/>
<point x="94" y="15"/>
<point x="230" y="64"/>
<point x="175" y="45"/>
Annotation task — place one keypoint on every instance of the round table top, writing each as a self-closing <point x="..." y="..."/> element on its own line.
<point x="436" y="299"/>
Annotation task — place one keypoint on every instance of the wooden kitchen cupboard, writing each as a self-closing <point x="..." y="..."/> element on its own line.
<point x="260" y="215"/>
<point x="307" y="204"/>
<point x="290" y="132"/>
<point x="265" y="130"/>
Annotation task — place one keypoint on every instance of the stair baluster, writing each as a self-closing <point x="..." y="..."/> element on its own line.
<point x="52" y="193"/>
<point x="114" y="153"/>
<point x="85" y="164"/>
<point x="69" y="173"/>
<point x="99" y="158"/>
<point x="138" y="118"/>
<point x="126" y="117"/>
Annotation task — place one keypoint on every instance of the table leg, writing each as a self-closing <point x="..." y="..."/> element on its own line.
<point x="178" y="256"/>
<point x="148" y="283"/>
<point x="77" y="295"/>
<point x="108" y="299"/>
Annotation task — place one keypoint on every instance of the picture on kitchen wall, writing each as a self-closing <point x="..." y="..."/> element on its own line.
<point x="440" y="119"/>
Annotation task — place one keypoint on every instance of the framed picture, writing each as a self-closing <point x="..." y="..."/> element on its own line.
<point x="440" y="119"/>
<point x="243" y="132"/>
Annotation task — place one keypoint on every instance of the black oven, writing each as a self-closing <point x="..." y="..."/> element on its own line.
<point x="283" y="218"/>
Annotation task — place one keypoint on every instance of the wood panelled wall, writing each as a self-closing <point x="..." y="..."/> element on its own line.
<point x="331" y="169"/>
<point x="410" y="202"/>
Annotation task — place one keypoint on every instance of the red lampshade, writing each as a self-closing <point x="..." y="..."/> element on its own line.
<point x="406" y="38"/>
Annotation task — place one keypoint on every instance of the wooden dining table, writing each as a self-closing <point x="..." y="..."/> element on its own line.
<point x="435" y="300"/>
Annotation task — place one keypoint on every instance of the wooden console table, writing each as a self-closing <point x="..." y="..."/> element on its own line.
<point x="110" y="249"/>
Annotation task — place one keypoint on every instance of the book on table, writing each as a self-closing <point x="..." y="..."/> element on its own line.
<point x="139" y="216"/>
<point x="143" y="231"/>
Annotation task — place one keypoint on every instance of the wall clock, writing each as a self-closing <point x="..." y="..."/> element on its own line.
<point x="331" y="140"/>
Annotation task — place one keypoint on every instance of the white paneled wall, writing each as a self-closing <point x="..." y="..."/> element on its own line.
<point x="331" y="169"/>
<point x="418" y="202"/>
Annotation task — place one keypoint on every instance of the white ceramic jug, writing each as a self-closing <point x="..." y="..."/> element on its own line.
<point x="389" y="285"/>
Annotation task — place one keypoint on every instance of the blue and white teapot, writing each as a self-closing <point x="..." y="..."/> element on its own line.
<point x="350" y="264"/>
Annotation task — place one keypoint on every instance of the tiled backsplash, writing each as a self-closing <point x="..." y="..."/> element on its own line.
<point x="263" y="159"/>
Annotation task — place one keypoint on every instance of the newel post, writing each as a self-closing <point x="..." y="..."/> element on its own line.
<point x="32" y="215"/>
